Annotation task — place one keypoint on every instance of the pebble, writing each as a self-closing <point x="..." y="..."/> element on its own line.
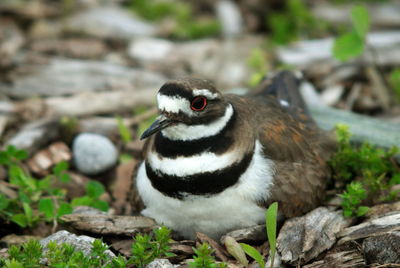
<point x="230" y="17"/>
<point x="149" y="49"/>
<point x="160" y="263"/>
<point x="109" y="23"/>
<point x="82" y="243"/>
<point x="93" y="153"/>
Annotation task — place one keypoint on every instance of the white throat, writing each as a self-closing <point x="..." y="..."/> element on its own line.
<point x="184" y="132"/>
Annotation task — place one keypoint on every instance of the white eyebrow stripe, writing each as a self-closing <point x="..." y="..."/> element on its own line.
<point x="184" y="132"/>
<point x="206" y="93"/>
<point x="174" y="104"/>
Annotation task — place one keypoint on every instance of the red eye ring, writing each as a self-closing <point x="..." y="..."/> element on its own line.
<point x="198" y="103"/>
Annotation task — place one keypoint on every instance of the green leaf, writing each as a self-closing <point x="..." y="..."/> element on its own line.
<point x="236" y="250"/>
<point x="94" y="189"/>
<point x="46" y="206"/>
<point x="81" y="201"/>
<point x="4" y="202"/>
<point x="64" y="209"/>
<point x="360" y="19"/>
<point x="124" y="131"/>
<point x="28" y="212"/>
<point x="60" y="167"/>
<point x="362" y="210"/>
<point x="65" y="178"/>
<point x="394" y="80"/>
<point x="20" y="219"/>
<point x="100" y="204"/>
<point x="270" y="220"/>
<point x="252" y="252"/>
<point x="21" y="154"/>
<point x="348" y="46"/>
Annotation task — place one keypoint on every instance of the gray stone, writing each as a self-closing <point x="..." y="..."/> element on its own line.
<point x="109" y="22"/>
<point x="382" y="249"/>
<point x="230" y="18"/>
<point x="160" y="263"/>
<point x="81" y="243"/>
<point x="93" y="153"/>
<point x="65" y="77"/>
<point x="34" y="135"/>
<point x="308" y="52"/>
<point x="149" y="49"/>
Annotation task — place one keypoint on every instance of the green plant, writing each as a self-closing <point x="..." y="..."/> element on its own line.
<point x="146" y="248"/>
<point x="394" y="80"/>
<point x="294" y="21"/>
<point x="94" y="190"/>
<point x="123" y="130"/>
<point x="31" y="254"/>
<point x="374" y="169"/>
<point x="352" y="44"/>
<point x="352" y="199"/>
<point x="270" y="225"/>
<point x="37" y="199"/>
<point x="187" y="26"/>
<point x="258" y="64"/>
<point x="204" y="258"/>
<point x="270" y="221"/>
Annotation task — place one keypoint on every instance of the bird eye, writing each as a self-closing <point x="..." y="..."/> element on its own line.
<point x="198" y="103"/>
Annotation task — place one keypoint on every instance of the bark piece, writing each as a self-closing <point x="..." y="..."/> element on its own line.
<point x="11" y="40"/>
<point x="60" y="77"/>
<point x="382" y="249"/>
<point x="122" y="187"/>
<point x="75" y="48"/>
<point x="220" y="252"/>
<point x="14" y="239"/>
<point x="304" y="238"/>
<point x="44" y="160"/>
<point x="345" y="258"/>
<point x="382" y="209"/>
<point x="35" y="135"/>
<point x="373" y="227"/>
<point x="123" y="246"/>
<point x="109" y="225"/>
<point x="250" y="235"/>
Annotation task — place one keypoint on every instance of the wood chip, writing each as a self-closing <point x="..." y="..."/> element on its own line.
<point x="251" y="235"/>
<point x="42" y="162"/>
<point x="220" y="252"/>
<point x="122" y="186"/>
<point x="378" y="226"/>
<point x="304" y="238"/>
<point x="109" y="225"/>
<point x="351" y="258"/>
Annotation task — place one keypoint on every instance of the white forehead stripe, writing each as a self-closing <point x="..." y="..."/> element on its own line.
<point x="206" y="93"/>
<point x="174" y="104"/>
<point x="184" y="132"/>
<point x="187" y="166"/>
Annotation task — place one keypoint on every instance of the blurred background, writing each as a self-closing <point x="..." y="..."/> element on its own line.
<point x="73" y="69"/>
<point x="73" y="66"/>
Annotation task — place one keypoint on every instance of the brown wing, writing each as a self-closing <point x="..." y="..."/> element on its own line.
<point x="300" y="150"/>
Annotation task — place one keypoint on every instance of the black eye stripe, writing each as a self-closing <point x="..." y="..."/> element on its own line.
<point x="175" y="90"/>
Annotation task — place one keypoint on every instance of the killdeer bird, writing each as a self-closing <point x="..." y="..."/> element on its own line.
<point x="214" y="162"/>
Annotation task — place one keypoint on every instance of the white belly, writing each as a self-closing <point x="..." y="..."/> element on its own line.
<point x="217" y="214"/>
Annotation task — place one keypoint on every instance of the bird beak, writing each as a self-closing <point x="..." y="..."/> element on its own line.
<point x="160" y="123"/>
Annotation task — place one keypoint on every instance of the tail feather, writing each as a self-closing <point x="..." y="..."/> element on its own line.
<point x="285" y="86"/>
